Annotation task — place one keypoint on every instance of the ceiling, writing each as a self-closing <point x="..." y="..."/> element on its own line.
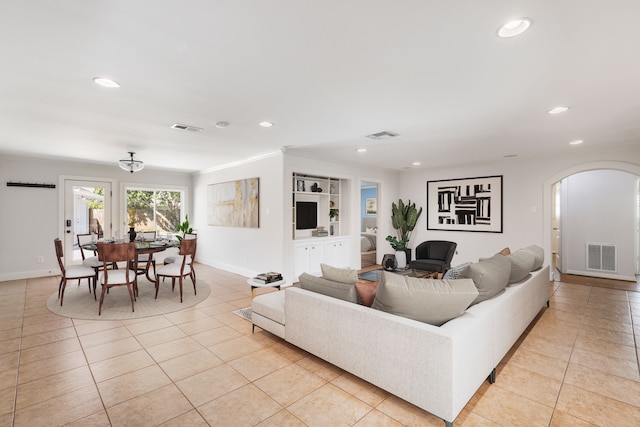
<point x="326" y="73"/>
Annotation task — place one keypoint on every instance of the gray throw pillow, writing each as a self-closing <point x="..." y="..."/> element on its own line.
<point x="342" y="275"/>
<point x="425" y="300"/>
<point x="454" y="272"/>
<point x="521" y="264"/>
<point x="539" y="253"/>
<point x="330" y="288"/>
<point x="490" y="275"/>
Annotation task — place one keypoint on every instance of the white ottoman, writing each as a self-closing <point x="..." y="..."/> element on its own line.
<point x="267" y="312"/>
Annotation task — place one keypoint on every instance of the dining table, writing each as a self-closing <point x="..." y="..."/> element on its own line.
<point x="142" y="247"/>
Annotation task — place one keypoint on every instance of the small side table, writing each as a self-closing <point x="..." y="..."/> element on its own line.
<point x="255" y="284"/>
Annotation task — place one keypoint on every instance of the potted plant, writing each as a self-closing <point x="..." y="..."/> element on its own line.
<point x="184" y="228"/>
<point x="403" y="219"/>
<point x="333" y="215"/>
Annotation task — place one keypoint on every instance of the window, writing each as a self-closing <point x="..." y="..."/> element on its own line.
<point x="158" y="210"/>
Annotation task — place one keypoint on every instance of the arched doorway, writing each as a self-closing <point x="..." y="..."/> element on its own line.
<point x="550" y="197"/>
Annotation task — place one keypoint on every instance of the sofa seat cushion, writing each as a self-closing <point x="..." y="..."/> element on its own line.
<point x="321" y="285"/>
<point x="490" y="275"/>
<point x="425" y="300"/>
<point x="270" y="305"/>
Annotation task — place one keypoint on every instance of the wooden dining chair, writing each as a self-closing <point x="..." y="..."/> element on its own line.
<point x="146" y="261"/>
<point x="91" y="260"/>
<point x="180" y="270"/>
<point x="72" y="272"/>
<point x="117" y="252"/>
<point x="178" y="258"/>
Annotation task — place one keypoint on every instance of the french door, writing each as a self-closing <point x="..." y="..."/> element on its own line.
<point x="87" y="209"/>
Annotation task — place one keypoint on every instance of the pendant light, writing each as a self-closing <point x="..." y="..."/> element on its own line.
<point x="131" y="164"/>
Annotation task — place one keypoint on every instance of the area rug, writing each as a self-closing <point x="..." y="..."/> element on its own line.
<point x="245" y="313"/>
<point x="79" y="304"/>
<point x="370" y="276"/>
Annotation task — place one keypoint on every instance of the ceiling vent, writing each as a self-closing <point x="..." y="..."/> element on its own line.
<point x="179" y="126"/>
<point x="385" y="134"/>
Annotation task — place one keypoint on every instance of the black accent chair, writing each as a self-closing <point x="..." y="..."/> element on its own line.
<point x="434" y="255"/>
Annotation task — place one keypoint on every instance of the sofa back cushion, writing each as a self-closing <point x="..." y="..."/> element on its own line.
<point x="539" y="254"/>
<point x="521" y="264"/>
<point x="490" y="275"/>
<point x="343" y="291"/>
<point x="425" y="300"/>
<point x="342" y="275"/>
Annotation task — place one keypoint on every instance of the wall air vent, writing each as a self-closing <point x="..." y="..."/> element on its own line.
<point x="179" y="126"/>
<point x="382" y="135"/>
<point x="602" y="257"/>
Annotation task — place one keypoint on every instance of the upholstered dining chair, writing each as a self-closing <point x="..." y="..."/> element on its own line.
<point x="434" y="255"/>
<point x="72" y="272"/>
<point x="117" y="252"/>
<point x="90" y="260"/>
<point x="178" y="258"/>
<point x="180" y="270"/>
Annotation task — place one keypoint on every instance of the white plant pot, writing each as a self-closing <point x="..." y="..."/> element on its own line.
<point x="401" y="257"/>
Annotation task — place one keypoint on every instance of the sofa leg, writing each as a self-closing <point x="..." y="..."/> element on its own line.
<point x="448" y="423"/>
<point x="548" y="304"/>
<point x="253" y="328"/>
<point x="492" y="376"/>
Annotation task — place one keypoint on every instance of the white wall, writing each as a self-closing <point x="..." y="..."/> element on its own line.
<point x="526" y="188"/>
<point x="599" y="207"/>
<point x="246" y="251"/>
<point x="29" y="217"/>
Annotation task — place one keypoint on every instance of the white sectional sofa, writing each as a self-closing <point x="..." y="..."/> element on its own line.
<point x="437" y="368"/>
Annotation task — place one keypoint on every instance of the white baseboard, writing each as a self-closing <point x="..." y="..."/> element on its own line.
<point x="29" y="274"/>
<point x="601" y="275"/>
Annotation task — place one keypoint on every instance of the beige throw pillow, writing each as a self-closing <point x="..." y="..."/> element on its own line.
<point x="425" y="300"/>
<point x="342" y="275"/>
<point x="521" y="264"/>
<point x="343" y="291"/>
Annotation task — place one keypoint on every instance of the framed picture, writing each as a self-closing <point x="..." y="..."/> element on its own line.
<point x="234" y="203"/>
<point x="465" y="204"/>
<point x="371" y="206"/>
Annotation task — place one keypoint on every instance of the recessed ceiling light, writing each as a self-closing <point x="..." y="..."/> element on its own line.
<point x="514" y="27"/>
<point x="361" y="150"/>
<point x="416" y="163"/>
<point x="105" y="82"/>
<point x="558" y="110"/>
<point x="576" y="142"/>
<point x="266" y="124"/>
<point x="222" y="125"/>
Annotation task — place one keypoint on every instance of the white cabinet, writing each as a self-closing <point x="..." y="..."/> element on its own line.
<point x="309" y="254"/>
<point x="308" y="257"/>
<point x="336" y="253"/>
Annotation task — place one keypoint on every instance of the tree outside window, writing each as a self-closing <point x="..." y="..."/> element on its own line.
<point x="154" y="210"/>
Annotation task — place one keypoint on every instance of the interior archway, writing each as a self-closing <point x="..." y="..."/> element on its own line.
<point x="548" y="192"/>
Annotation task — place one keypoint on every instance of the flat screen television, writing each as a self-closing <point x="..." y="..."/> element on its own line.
<point x="306" y="215"/>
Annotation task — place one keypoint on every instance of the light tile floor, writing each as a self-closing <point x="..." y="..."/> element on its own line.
<point x="576" y="366"/>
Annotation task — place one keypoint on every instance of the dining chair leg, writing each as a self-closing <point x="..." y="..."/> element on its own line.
<point x="194" y="283"/>
<point x="60" y="286"/>
<point x="64" y="285"/>
<point x="130" y="289"/>
<point x="180" y="289"/>
<point x="157" y="285"/>
<point x="101" y="300"/>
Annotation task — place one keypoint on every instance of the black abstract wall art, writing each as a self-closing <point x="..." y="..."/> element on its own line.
<point x="465" y="204"/>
